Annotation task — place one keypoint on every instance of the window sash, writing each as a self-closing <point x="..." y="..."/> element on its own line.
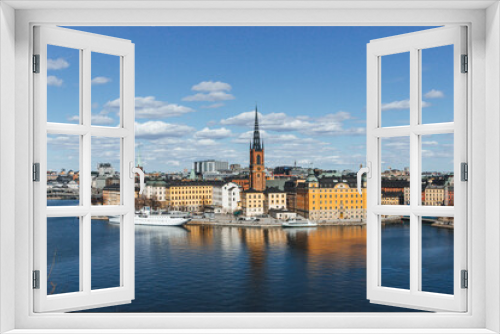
<point x="86" y="43"/>
<point x="413" y="43"/>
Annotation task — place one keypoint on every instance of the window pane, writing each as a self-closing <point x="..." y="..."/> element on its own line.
<point x="105" y="252"/>
<point x="63" y="84"/>
<point x="395" y="89"/>
<point x="437" y="84"/>
<point x="105" y="89"/>
<point x="105" y="171"/>
<point x="63" y="247"/>
<point x="437" y="254"/>
<point x="437" y="170"/>
<point x="395" y="239"/>
<point x="63" y="165"/>
<point x="395" y="167"/>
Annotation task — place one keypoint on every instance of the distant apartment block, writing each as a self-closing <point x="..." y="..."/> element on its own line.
<point x="208" y="166"/>
<point x="235" y="167"/>
<point x="105" y="169"/>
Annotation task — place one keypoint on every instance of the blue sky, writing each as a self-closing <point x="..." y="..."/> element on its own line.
<point x="196" y="88"/>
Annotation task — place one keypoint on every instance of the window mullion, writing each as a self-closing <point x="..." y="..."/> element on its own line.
<point x="415" y="93"/>
<point x="85" y="171"/>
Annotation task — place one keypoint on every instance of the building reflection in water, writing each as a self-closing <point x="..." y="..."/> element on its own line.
<point x="250" y="269"/>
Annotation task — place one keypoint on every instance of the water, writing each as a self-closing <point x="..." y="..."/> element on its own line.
<point x="235" y="269"/>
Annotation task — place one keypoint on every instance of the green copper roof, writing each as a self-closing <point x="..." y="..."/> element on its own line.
<point x="311" y="177"/>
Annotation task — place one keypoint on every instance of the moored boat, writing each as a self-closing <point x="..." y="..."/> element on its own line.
<point x="299" y="223"/>
<point x="145" y="217"/>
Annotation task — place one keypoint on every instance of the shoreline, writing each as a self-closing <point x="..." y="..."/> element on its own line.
<point x="200" y="222"/>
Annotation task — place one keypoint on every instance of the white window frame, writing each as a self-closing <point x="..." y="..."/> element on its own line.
<point x="414" y="43"/>
<point x="86" y="44"/>
<point x="483" y="249"/>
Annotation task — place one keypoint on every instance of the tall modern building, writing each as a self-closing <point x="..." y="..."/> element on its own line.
<point x="257" y="171"/>
<point x="207" y="166"/>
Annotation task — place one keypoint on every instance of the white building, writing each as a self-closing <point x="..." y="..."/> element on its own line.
<point x="217" y="196"/>
<point x="210" y="166"/>
<point x="230" y="197"/>
<point x="156" y="190"/>
<point x="105" y="169"/>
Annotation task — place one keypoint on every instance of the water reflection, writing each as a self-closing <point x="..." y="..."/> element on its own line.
<point x="241" y="269"/>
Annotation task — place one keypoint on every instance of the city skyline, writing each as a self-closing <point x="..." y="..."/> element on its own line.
<point x="195" y="96"/>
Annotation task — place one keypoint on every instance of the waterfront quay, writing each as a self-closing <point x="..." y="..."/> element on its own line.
<point x="231" y="220"/>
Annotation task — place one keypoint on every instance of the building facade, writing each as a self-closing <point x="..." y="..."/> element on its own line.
<point x="210" y="166"/>
<point x="230" y="197"/>
<point x="156" y="190"/>
<point x="244" y="183"/>
<point x="434" y="195"/>
<point x="330" y="199"/>
<point x="252" y="203"/>
<point x="111" y="195"/>
<point x="217" y="196"/>
<point x="192" y="196"/>
<point x="275" y="199"/>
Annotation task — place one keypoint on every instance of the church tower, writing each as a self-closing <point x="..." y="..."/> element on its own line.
<point x="257" y="173"/>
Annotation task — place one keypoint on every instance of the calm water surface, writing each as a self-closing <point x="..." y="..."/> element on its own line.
<point x="236" y="269"/>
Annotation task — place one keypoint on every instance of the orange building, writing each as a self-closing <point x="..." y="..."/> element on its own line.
<point x="329" y="199"/>
<point x="111" y="195"/>
<point x="243" y="183"/>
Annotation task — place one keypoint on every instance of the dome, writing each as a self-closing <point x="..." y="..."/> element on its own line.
<point x="311" y="177"/>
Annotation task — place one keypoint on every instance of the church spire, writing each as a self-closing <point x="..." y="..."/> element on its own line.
<point x="256" y="133"/>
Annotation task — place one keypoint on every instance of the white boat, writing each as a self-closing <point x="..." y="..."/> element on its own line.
<point x="178" y="214"/>
<point x="299" y="223"/>
<point x="145" y="217"/>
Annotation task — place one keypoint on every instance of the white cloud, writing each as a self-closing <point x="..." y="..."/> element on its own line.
<point x="209" y="97"/>
<point x="52" y="80"/>
<point x="213" y="106"/>
<point x="434" y="94"/>
<point x="61" y="142"/>
<point x="401" y="105"/>
<point x="206" y="142"/>
<point x="101" y="119"/>
<point x="430" y="143"/>
<point x="211" y="86"/>
<point x="96" y="119"/>
<point x="213" y="133"/>
<point x="329" y="125"/>
<point x="212" y="91"/>
<point x="159" y="129"/>
<point x="283" y="139"/>
<point x="100" y="80"/>
<point x="149" y="107"/>
<point x="272" y="121"/>
<point x="57" y="64"/>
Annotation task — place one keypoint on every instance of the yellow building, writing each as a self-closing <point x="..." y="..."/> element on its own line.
<point x="252" y="202"/>
<point x="190" y="196"/>
<point x="274" y="199"/>
<point x="390" y="198"/>
<point x="330" y="199"/>
<point x="434" y="195"/>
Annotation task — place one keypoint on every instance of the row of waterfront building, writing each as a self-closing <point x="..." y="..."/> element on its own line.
<point x="253" y="191"/>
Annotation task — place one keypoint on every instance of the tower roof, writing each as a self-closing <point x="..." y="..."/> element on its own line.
<point x="311" y="177"/>
<point x="256" y="134"/>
